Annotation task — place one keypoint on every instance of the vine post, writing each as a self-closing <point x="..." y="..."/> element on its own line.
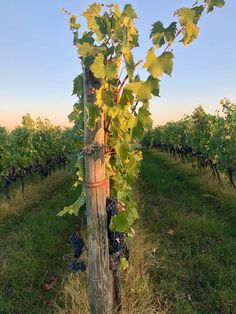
<point x="100" y="294"/>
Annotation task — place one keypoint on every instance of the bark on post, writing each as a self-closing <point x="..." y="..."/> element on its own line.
<point x="95" y="187"/>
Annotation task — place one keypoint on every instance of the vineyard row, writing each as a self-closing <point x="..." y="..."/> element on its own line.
<point x="204" y="139"/>
<point x="33" y="147"/>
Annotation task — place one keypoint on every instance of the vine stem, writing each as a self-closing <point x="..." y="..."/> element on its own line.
<point x="170" y="43"/>
<point x="126" y="78"/>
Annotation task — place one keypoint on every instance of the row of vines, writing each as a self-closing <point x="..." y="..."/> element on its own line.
<point x="206" y="140"/>
<point x="34" y="147"/>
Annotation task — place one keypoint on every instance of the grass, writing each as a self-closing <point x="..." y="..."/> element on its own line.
<point x="33" y="241"/>
<point x="137" y="290"/>
<point x="183" y="256"/>
<point x="193" y="222"/>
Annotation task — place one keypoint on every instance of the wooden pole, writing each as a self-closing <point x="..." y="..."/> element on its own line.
<point x="100" y="294"/>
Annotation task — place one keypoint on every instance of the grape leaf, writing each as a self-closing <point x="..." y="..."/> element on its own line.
<point x="185" y="15"/>
<point x="74" y="208"/>
<point x="100" y="70"/>
<point x="86" y="49"/>
<point x="122" y="150"/>
<point x="91" y="15"/>
<point x="144" y="117"/>
<point x="94" y="115"/>
<point x="129" y="62"/>
<point x="129" y="11"/>
<point x="214" y="3"/>
<point x="159" y="65"/>
<point x="159" y="34"/>
<point x="78" y="86"/>
<point x="98" y="67"/>
<point x="73" y="24"/>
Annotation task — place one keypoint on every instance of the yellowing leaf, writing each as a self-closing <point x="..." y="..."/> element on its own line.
<point x="100" y="70"/>
<point x="124" y="264"/>
<point x="98" y="67"/>
<point x="185" y="15"/>
<point x="91" y="14"/>
<point x="159" y="65"/>
<point x="129" y="11"/>
<point x="86" y="49"/>
<point x="73" y="24"/>
<point x="190" y="33"/>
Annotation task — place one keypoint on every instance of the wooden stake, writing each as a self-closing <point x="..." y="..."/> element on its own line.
<point x="100" y="294"/>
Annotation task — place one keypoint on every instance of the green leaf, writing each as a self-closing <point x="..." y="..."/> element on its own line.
<point x="129" y="11"/>
<point x="111" y="69"/>
<point x="159" y="34"/>
<point x="127" y="98"/>
<point x="144" y="117"/>
<point x="154" y="84"/>
<point x="144" y="90"/>
<point x="74" y="208"/>
<point x="171" y="31"/>
<point x="129" y="62"/>
<point x="108" y="97"/>
<point x="198" y="12"/>
<point x="78" y="86"/>
<point x="94" y="115"/>
<point x="159" y="65"/>
<point x="214" y="3"/>
<point x="122" y="150"/>
<point x="120" y="222"/>
<point x="138" y="131"/>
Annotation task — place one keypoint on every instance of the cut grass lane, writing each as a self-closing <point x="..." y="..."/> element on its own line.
<point x="194" y="224"/>
<point x="33" y="242"/>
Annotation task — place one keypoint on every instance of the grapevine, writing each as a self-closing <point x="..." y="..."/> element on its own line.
<point x="205" y="140"/>
<point x="111" y="94"/>
<point x="34" y="147"/>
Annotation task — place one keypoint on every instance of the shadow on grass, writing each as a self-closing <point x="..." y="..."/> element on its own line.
<point x="193" y="221"/>
<point x="33" y="242"/>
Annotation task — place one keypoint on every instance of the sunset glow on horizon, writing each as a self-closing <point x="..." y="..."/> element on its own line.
<point x="37" y="71"/>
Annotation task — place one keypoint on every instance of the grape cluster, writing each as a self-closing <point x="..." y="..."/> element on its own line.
<point x="111" y="207"/>
<point x="117" y="245"/>
<point x="77" y="245"/>
<point x="78" y="266"/>
<point x="117" y="240"/>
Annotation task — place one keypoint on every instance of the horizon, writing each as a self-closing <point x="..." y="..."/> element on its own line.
<point x="37" y="71"/>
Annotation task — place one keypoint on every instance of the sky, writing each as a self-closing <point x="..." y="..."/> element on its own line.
<point x="38" y="61"/>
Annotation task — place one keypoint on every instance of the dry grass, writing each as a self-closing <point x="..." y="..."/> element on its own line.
<point x="33" y="195"/>
<point x="137" y="292"/>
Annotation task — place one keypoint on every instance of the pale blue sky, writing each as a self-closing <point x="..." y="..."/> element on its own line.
<point x="38" y="61"/>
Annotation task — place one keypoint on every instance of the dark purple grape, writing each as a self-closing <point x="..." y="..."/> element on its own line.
<point x="77" y="245"/>
<point x="78" y="266"/>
